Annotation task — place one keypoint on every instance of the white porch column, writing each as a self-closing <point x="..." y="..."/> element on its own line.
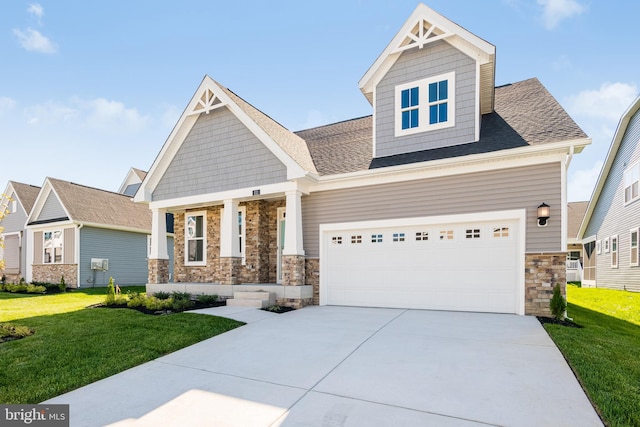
<point x="293" y="229"/>
<point x="159" y="234"/>
<point x="229" y="230"/>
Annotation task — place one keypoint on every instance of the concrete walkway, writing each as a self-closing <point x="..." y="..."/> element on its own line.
<point x="343" y="366"/>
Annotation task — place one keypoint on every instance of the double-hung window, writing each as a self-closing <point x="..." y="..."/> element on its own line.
<point x="633" y="247"/>
<point x="631" y="183"/>
<point x="614" y="251"/>
<point x="425" y="105"/>
<point x="195" y="238"/>
<point x="53" y="247"/>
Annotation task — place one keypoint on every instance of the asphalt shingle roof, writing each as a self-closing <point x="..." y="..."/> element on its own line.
<point x="575" y="215"/>
<point x="95" y="206"/>
<point x="525" y="114"/>
<point x="26" y="193"/>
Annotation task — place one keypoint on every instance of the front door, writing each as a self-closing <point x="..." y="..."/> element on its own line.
<point x="281" y="227"/>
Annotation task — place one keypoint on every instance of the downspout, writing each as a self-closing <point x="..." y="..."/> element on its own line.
<point x="78" y="255"/>
<point x="567" y="162"/>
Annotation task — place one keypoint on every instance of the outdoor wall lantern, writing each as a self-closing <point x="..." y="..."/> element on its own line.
<point x="543" y="214"/>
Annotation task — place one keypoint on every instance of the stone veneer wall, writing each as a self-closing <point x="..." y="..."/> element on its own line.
<point x="312" y="277"/>
<point x="11" y="278"/>
<point x="293" y="270"/>
<point x="52" y="273"/>
<point x="209" y="273"/>
<point x="158" y="271"/>
<point x="542" y="273"/>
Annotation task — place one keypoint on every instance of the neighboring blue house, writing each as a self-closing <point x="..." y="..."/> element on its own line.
<point x="17" y="201"/>
<point x="87" y="235"/>
<point x="610" y="230"/>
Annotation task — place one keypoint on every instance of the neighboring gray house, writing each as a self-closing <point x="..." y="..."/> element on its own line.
<point x="132" y="182"/>
<point x="451" y="196"/>
<point x="575" y="214"/>
<point x="87" y="235"/>
<point x="17" y="201"/>
<point x="610" y="230"/>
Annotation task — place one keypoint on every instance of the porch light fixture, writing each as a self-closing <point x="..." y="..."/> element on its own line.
<point x="543" y="214"/>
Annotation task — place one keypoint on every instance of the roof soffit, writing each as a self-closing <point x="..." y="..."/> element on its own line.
<point x="426" y="26"/>
<point x="208" y="97"/>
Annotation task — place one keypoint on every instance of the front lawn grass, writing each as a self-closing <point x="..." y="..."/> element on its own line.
<point x="72" y="347"/>
<point x="604" y="354"/>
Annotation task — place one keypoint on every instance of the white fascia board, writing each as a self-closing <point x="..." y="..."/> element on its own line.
<point x="131" y="178"/>
<point x="478" y="116"/>
<point x="113" y="227"/>
<point x="218" y="198"/>
<point x="523" y="156"/>
<point x="606" y="167"/>
<point x="50" y="225"/>
<point x="467" y="42"/>
<point x="46" y="189"/>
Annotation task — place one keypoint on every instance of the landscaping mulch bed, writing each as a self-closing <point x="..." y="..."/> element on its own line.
<point x="196" y="306"/>
<point x="278" y="309"/>
<point x="551" y="320"/>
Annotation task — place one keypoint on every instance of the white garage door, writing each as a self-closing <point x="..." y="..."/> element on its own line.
<point x="433" y="264"/>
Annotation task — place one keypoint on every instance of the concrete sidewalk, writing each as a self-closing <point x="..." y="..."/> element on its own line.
<point x="343" y="366"/>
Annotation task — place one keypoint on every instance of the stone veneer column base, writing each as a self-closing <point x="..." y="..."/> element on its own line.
<point x="230" y="270"/>
<point x="293" y="270"/>
<point x="542" y="273"/>
<point x="312" y="277"/>
<point x="158" y="271"/>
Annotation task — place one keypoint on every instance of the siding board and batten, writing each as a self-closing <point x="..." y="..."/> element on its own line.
<point x="219" y="154"/>
<point x="611" y="217"/>
<point x="517" y="188"/>
<point x="432" y="60"/>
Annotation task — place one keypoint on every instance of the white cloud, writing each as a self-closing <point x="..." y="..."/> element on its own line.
<point x="581" y="182"/>
<point x="33" y="41"/>
<point x="99" y="113"/>
<point x="554" y="11"/>
<point x="608" y="102"/>
<point x="36" y="9"/>
<point x="6" y="104"/>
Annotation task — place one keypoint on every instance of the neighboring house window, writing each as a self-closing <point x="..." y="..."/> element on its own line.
<point x="633" y="248"/>
<point x="605" y="245"/>
<point x="631" y="179"/>
<point x="195" y="239"/>
<point x="598" y="247"/>
<point x="614" y="251"/>
<point x="14" y="206"/>
<point x="53" y="247"/>
<point x="425" y="105"/>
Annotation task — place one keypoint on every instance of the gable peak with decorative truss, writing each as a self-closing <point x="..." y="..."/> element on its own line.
<point x="207" y="101"/>
<point x="422" y="33"/>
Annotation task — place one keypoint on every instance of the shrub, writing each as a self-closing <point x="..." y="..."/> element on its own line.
<point x="181" y="301"/>
<point x="121" y="300"/>
<point x="207" y="299"/>
<point x="136" y="299"/>
<point x="8" y="329"/>
<point x="558" y="304"/>
<point x="12" y="287"/>
<point x="162" y="295"/>
<point x="157" y="304"/>
<point x="63" y="285"/>
<point x="35" y="289"/>
<point x="3" y="280"/>
<point x="111" y="293"/>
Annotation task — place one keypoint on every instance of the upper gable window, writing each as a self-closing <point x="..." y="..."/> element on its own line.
<point x="425" y="105"/>
<point x="631" y="181"/>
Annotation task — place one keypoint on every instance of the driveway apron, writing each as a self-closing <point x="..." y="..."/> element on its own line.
<point x="345" y="366"/>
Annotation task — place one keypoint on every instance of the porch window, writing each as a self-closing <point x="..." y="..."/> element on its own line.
<point x="614" y="251"/>
<point x="631" y="182"/>
<point x="633" y="248"/>
<point x="195" y="239"/>
<point x="53" y="247"/>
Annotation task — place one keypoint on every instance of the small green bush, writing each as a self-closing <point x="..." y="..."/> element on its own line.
<point x="63" y="285"/>
<point x="111" y="293"/>
<point x="12" y="287"/>
<point x="207" y="299"/>
<point x="181" y="301"/>
<point x="7" y="329"/>
<point x="35" y="289"/>
<point x="136" y="299"/>
<point x="2" y="285"/>
<point x="121" y="300"/>
<point x="157" y="304"/>
<point x="162" y="295"/>
<point x="558" y="304"/>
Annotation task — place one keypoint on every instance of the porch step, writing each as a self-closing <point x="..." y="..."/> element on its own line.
<point x="258" y="299"/>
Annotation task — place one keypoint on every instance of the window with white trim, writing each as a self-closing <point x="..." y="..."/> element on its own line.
<point x="614" y="251"/>
<point x="422" y="236"/>
<point x="633" y="247"/>
<point x="631" y="183"/>
<point x="598" y="247"/>
<point x="195" y="238"/>
<point x="53" y="243"/>
<point x="425" y="105"/>
<point x="605" y="245"/>
<point x="398" y="237"/>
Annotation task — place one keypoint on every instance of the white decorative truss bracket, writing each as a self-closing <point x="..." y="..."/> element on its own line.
<point x="421" y="34"/>
<point x="207" y="102"/>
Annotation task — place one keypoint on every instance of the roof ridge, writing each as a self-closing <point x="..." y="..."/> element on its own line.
<point x="89" y="187"/>
<point x="335" y="123"/>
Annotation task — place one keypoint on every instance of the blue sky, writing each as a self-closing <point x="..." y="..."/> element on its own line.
<point x="89" y="89"/>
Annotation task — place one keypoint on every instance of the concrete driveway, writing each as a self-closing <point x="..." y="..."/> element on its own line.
<point x="343" y="366"/>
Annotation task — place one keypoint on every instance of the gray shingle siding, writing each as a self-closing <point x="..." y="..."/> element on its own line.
<point x="14" y="221"/>
<point x="219" y="154"/>
<point x="52" y="209"/>
<point x="415" y="64"/>
<point x="517" y="188"/>
<point x="126" y="252"/>
<point x="611" y="217"/>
